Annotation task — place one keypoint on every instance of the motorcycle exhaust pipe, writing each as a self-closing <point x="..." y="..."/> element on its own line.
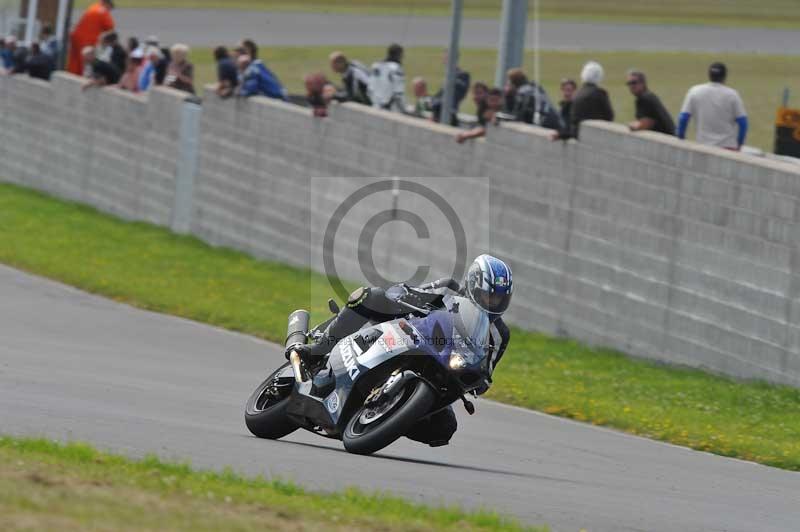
<point x="297" y="334"/>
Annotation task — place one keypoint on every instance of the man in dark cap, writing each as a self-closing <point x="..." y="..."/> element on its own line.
<point x="720" y="113"/>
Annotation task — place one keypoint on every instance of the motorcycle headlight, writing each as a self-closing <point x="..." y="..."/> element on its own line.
<point x="457" y="361"/>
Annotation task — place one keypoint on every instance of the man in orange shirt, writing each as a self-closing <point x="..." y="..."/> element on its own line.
<point x="95" y="21"/>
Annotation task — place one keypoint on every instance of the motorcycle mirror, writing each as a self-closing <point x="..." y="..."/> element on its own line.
<point x="468" y="406"/>
<point x="333" y="306"/>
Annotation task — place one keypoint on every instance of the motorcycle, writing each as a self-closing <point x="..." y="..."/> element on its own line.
<point x="380" y="381"/>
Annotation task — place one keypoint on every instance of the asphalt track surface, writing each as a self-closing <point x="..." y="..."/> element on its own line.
<point x="76" y="366"/>
<point x="205" y="27"/>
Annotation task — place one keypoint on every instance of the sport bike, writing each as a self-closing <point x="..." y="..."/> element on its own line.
<point x="380" y="381"/>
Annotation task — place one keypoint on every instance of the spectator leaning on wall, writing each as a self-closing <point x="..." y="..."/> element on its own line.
<point x="719" y="111"/>
<point x="100" y="73"/>
<point x="591" y="102"/>
<point x="650" y="112"/>
<point x="257" y="79"/>
<point x="460" y="91"/>
<point x="227" y="75"/>
<point x="38" y="65"/>
<point x="487" y="109"/>
<point x="8" y="53"/>
<point x="422" y="104"/>
<point x="531" y="104"/>
<point x="387" y="82"/>
<point x="112" y="51"/>
<point x="94" y="22"/>
<point x="568" y="88"/>
<point x="355" y="79"/>
<point x="180" y="72"/>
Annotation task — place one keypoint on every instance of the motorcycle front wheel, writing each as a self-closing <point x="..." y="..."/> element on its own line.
<point x="265" y="411"/>
<point x="374" y="427"/>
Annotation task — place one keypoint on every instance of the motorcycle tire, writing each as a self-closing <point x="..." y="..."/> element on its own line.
<point x="268" y="419"/>
<point x="367" y="439"/>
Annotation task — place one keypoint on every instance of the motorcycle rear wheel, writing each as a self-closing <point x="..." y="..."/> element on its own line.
<point x="265" y="411"/>
<point x="414" y="401"/>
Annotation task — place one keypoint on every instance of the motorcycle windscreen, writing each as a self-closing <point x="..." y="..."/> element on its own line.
<point x="462" y="327"/>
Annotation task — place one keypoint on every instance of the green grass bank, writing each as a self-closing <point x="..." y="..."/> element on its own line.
<point x="73" y="487"/>
<point x="150" y="267"/>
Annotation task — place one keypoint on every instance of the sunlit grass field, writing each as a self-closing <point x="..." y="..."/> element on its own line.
<point x="152" y="268"/>
<point x="764" y="13"/>
<point x="760" y="79"/>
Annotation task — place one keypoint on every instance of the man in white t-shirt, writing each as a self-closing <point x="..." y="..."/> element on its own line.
<point x="387" y="82"/>
<point x="721" y="118"/>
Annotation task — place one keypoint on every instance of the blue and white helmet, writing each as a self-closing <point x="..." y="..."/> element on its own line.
<point x="488" y="283"/>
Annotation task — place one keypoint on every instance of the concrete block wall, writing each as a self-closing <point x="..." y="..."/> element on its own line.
<point x="108" y="148"/>
<point x="657" y="247"/>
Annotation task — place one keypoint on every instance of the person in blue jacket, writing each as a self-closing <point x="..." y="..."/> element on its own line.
<point x="258" y="80"/>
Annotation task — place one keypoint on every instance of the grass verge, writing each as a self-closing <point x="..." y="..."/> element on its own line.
<point x="152" y="268"/>
<point x="742" y="13"/>
<point x="50" y="486"/>
<point x="760" y="79"/>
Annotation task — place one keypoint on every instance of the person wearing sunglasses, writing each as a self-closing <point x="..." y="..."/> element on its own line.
<point x="650" y="112"/>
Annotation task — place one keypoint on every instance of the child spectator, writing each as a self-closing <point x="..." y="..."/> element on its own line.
<point x="49" y="44"/>
<point x="488" y="107"/>
<point x="650" y="112"/>
<point x="8" y="52"/>
<point x="148" y="76"/>
<point x="719" y="110"/>
<point x="422" y="106"/>
<point x="227" y="75"/>
<point x="130" y="78"/>
<point x="591" y="102"/>
<point x="387" y="81"/>
<point x="568" y="88"/>
<point x="315" y="86"/>
<point x="180" y="72"/>
<point x="355" y="78"/>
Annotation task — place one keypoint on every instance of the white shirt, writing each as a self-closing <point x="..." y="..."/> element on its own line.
<point x="387" y="85"/>
<point x="715" y="107"/>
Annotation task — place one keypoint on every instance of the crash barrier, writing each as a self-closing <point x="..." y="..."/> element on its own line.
<point x="641" y="242"/>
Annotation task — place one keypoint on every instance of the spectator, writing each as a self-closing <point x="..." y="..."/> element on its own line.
<point x="487" y="110"/>
<point x="590" y="102"/>
<point x="460" y="90"/>
<point x="133" y="44"/>
<point x="180" y="73"/>
<point x="49" y="44"/>
<point x="258" y="80"/>
<point x="315" y="86"/>
<point x="159" y="69"/>
<point x="8" y="52"/>
<point x="387" y="81"/>
<point x="650" y="112"/>
<point x="568" y="88"/>
<point x="95" y="21"/>
<point x="423" y="100"/>
<point x="719" y="110"/>
<point x="39" y="65"/>
<point x="133" y="70"/>
<point x="250" y="48"/>
<point x="148" y="76"/>
<point x="100" y="73"/>
<point x="531" y="104"/>
<point x="112" y="51"/>
<point x="355" y="78"/>
<point x="227" y="75"/>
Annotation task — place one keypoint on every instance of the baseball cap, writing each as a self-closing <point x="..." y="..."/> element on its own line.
<point x="717" y="71"/>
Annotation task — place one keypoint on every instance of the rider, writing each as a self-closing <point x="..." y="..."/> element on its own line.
<point x="487" y="283"/>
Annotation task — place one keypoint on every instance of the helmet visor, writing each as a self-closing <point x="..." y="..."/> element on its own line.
<point x="492" y="302"/>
